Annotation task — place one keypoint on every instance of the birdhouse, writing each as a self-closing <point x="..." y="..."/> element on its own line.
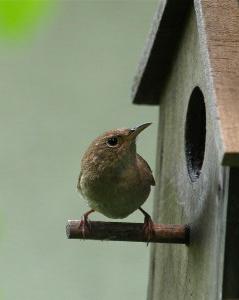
<point x="190" y="68"/>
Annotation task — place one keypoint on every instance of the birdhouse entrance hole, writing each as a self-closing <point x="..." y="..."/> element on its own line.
<point x="195" y="134"/>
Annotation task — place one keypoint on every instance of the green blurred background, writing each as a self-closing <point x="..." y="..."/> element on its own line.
<point x="66" y="74"/>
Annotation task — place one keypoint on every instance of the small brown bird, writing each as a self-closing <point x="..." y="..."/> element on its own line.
<point x="114" y="179"/>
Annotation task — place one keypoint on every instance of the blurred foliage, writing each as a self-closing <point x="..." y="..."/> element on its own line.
<point x="18" y="19"/>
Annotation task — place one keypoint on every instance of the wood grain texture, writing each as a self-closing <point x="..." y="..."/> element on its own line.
<point x="131" y="232"/>
<point x="194" y="272"/>
<point x="218" y="24"/>
<point x="218" y="27"/>
<point x="161" y="46"/>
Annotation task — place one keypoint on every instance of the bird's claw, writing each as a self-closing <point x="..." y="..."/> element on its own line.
<point x="85" y="226"/>
<point x="148" y="228"/>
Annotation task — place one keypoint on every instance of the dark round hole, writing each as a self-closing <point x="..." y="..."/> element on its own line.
<point x="195" y="134"/>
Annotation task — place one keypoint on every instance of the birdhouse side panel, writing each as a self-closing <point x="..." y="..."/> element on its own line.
<point x="218" y="22"/>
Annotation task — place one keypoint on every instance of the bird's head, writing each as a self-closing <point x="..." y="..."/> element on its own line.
<point x="114" y="145"/>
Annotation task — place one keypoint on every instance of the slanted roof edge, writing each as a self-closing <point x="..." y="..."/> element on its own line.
<point x="159" y="50"/>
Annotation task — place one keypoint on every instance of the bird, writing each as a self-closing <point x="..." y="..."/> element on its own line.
<point x="114" y="179"/>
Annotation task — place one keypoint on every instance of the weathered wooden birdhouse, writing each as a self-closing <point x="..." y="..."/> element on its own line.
<point x="190" y="68"/>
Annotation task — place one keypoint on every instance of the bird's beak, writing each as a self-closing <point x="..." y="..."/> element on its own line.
<point x="136" y="130"/>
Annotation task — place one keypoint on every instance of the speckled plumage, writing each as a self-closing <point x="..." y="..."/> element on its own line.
<point x="115" y="180"/>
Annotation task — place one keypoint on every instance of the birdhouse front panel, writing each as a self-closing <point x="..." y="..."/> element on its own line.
<point x="191" y="184"/>
<point x="190" y="68"/>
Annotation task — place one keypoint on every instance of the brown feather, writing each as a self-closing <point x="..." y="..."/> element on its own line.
<point x="78" y="183"/>
<point x="147" y="172"/>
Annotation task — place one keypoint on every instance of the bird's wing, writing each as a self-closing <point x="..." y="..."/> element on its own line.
<point x="147" y="170"/>
<point x="78" y="183"/>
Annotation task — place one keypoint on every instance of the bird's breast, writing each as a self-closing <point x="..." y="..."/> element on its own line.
<point x="115" y="194"/>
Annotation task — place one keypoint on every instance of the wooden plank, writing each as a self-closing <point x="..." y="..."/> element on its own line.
<point x="160" y="48"/>
<point x="218" y="24"/>
<point x="194" y="272"/>
<point x="218" y="27"/>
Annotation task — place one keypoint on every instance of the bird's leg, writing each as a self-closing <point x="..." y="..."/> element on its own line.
<point x="148" y="225"/>
<point x="85" y="223"/>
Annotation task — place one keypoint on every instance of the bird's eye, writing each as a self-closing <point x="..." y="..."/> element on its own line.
<point x="113" y="141"/>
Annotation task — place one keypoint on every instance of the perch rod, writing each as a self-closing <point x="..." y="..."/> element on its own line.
<point x="132" y="232"/>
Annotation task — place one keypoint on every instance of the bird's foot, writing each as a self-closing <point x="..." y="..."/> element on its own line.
<point x="148" y="226"/>
<point x="85" y="225"/>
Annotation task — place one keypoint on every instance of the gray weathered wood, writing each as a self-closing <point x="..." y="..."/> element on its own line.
<point x="164" y="35"/>
<point x="194" y="272"/>
<point x="218" y="27"/>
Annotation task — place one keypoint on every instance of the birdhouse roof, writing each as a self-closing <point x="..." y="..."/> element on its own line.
<point x="218" y="27"/>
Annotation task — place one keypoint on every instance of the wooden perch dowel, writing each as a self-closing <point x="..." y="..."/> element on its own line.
<point x="132" y="232"/>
